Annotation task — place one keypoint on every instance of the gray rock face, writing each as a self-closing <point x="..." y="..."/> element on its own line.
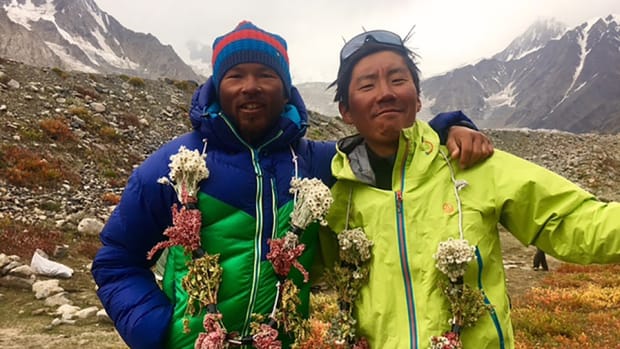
<point x="20" y="44"/>
<point x="90" y="41"/>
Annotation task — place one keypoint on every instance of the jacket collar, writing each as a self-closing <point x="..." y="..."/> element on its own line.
<point x="351" y="160"/>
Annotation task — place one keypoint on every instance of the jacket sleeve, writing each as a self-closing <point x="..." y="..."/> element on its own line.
<point x="442" y="122"/>
<point x="544" y="209"/>
<point x="127" y="288"/>
<point x="319" y="154"/>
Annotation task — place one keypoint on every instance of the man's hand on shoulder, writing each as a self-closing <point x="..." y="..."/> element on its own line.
<point x="468" y="146"/>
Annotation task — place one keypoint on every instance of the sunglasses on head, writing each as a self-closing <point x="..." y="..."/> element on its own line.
<point x="378" y="36"/>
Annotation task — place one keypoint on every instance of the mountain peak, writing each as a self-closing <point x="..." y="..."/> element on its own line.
<point x="548" y="77"/>
<point x="80" y="36"/>
<point x="535" y="37"/>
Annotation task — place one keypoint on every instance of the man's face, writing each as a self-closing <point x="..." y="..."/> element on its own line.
<point x="383" y="100"/>
<point x="252" y="95"/>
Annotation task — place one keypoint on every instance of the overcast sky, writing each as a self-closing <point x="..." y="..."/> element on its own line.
<point x="448" y="33"/>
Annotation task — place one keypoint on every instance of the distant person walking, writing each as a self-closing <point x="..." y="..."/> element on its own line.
<point x="540" y="260"/>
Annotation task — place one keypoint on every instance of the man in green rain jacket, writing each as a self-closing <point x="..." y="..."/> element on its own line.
<point x="395" y="181"/>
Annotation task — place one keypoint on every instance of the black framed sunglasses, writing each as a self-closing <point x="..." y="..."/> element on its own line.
<point x="379" y="36"/>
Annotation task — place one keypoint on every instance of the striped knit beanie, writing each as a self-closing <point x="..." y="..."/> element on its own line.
<point x="249" y="44"/>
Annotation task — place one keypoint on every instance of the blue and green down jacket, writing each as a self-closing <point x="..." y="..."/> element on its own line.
<point x="244" y="203"/>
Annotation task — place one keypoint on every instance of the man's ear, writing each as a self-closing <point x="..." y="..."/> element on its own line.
<point x="419" y="107"/>
<point x="344" y="112"/>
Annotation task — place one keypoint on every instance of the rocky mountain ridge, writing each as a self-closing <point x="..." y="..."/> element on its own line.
<point x="78" y="35"/>
<point x="548" y="78"/>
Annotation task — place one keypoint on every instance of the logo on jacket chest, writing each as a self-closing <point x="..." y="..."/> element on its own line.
<point x="447" y="208"/>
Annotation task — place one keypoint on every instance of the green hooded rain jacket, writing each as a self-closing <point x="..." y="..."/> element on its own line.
<point x="402" y="305"/>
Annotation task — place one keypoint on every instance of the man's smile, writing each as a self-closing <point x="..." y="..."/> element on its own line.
<point x="252" y="106"/>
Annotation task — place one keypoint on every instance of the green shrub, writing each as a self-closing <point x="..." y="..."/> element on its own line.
<point x="79" y="111"/>
<point x="136" y="82"/>
<point x="109" y="133"/>
<point x="4" y="79"/>
<point x="32" y="134"/>
<point x="185" y="85"/>
<point x="61" y="73"/>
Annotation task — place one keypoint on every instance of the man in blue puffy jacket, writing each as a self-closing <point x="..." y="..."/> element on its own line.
<point x="251" y="120"/>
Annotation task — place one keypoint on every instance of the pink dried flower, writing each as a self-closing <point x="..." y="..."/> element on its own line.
<point x="185" y="230"/>
<point x="267" y="338"/>
<point x="283" y="254"/>
<point x="361" y="344"/>
<point x="449" y="340"/>
<point x="211" y="321"/>
<point x="215" y="336"/>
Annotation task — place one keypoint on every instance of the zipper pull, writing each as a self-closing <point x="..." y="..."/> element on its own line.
<point x="399" y="196"/>
<point x="399" y="202"/>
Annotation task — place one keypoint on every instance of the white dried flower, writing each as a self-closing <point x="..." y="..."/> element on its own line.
<point x="291" y="240"/>
<point x="313" y="199"/>
<point x="354" y="246"/>
<point x="453" y="256"/>
<point x="187" y="169"/>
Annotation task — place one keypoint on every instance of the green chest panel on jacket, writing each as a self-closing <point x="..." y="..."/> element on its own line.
<point x="248" y="280"/>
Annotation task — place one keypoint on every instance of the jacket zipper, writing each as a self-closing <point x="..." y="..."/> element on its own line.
<point x="492" y="312"/>
<point x="259" y="220"/>
<point x="404" y="258"/>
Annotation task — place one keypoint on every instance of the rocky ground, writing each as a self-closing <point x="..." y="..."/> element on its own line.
<point x="111" y="124"/>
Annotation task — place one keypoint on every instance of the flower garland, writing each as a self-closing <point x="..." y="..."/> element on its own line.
<point x="187" y="169"/>
<point x="331" y="324"/>
<point x="466" y="303"/>
<point x="347" y="279"/>
<point x="452" y="258"/>
<point x="312" y="200"/>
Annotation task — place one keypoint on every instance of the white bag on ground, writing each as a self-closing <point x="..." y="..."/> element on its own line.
<point x="43" y="266"/>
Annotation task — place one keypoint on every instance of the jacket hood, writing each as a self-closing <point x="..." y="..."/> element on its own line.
<point x="207" y="118"/>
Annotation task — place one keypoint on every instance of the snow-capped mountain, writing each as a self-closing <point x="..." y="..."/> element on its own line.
<point x="547" y="78"/>
<point x="534" y="38"/>
<point x="78" y="35"/>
